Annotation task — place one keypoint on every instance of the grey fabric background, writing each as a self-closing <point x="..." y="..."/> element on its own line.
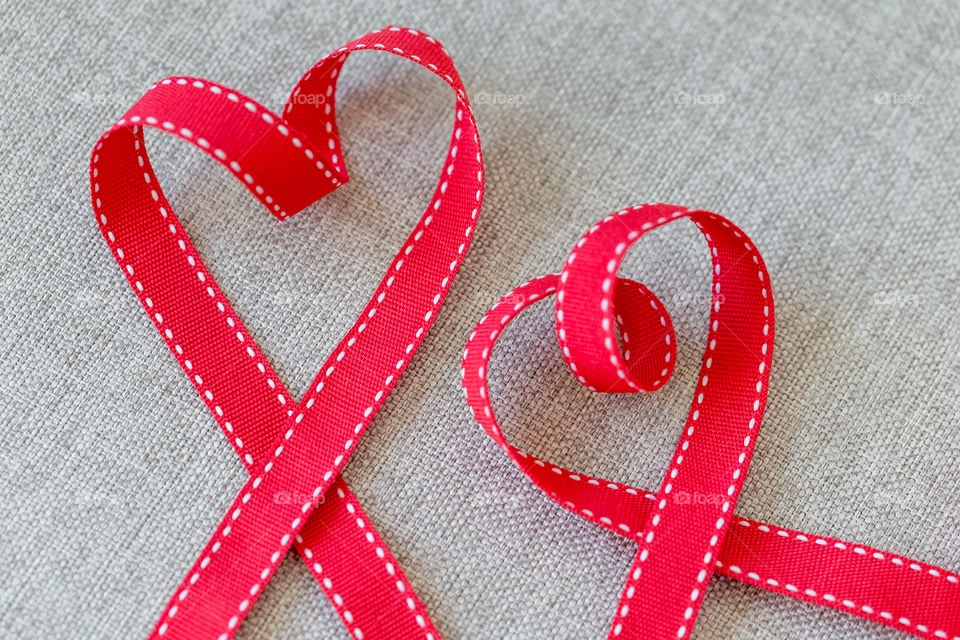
<point x="828" y="133"/>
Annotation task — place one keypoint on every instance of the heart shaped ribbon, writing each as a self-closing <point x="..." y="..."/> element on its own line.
<point x="616" y="336"/>
<point x="291" y="449"/>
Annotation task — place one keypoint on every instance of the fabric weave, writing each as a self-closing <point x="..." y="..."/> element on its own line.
<point x="851" y="197"/>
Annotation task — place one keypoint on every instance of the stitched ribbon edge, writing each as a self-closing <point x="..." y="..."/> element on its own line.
<point x="449" y="77"/>
<point x="753" y="552"/>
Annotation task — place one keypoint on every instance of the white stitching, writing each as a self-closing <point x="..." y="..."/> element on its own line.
<point x="402" y="584"/>
<point x="233" y="165"/>
<point x="832" y="599"/>
<point x="735" y="474"/>
<point x="193" y="260"/>
<point x="859" y="550"/>
<point x="617" y="361"/>
<point x="168" y="337"/>
<point x="397" y="265"/>
<point x="332" y="595"/>
<point x="257" y="481"/>
<point x="488" y="422"/>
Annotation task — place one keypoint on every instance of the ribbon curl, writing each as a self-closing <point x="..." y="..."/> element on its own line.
<point x="616" y="336"/>
<point x="290" y="448"/>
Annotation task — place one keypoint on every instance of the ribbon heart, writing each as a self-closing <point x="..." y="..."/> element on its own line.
<point x="290" y="448"/>
<point x="616" y="336"/>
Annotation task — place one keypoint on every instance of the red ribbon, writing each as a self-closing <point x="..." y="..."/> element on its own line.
<point x="616" y="336"/>
<point x="290" y="448"/>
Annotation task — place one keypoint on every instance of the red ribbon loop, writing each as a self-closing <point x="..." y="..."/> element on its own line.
<point x="683" y="531"/>
<point x="643" y="326"/>
<point x="615" y="335"/>
<point x="294" y="451"/>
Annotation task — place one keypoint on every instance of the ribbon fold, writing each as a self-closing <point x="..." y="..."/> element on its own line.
<point x="290" y="448"/>
<point x="616" y="336"/>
